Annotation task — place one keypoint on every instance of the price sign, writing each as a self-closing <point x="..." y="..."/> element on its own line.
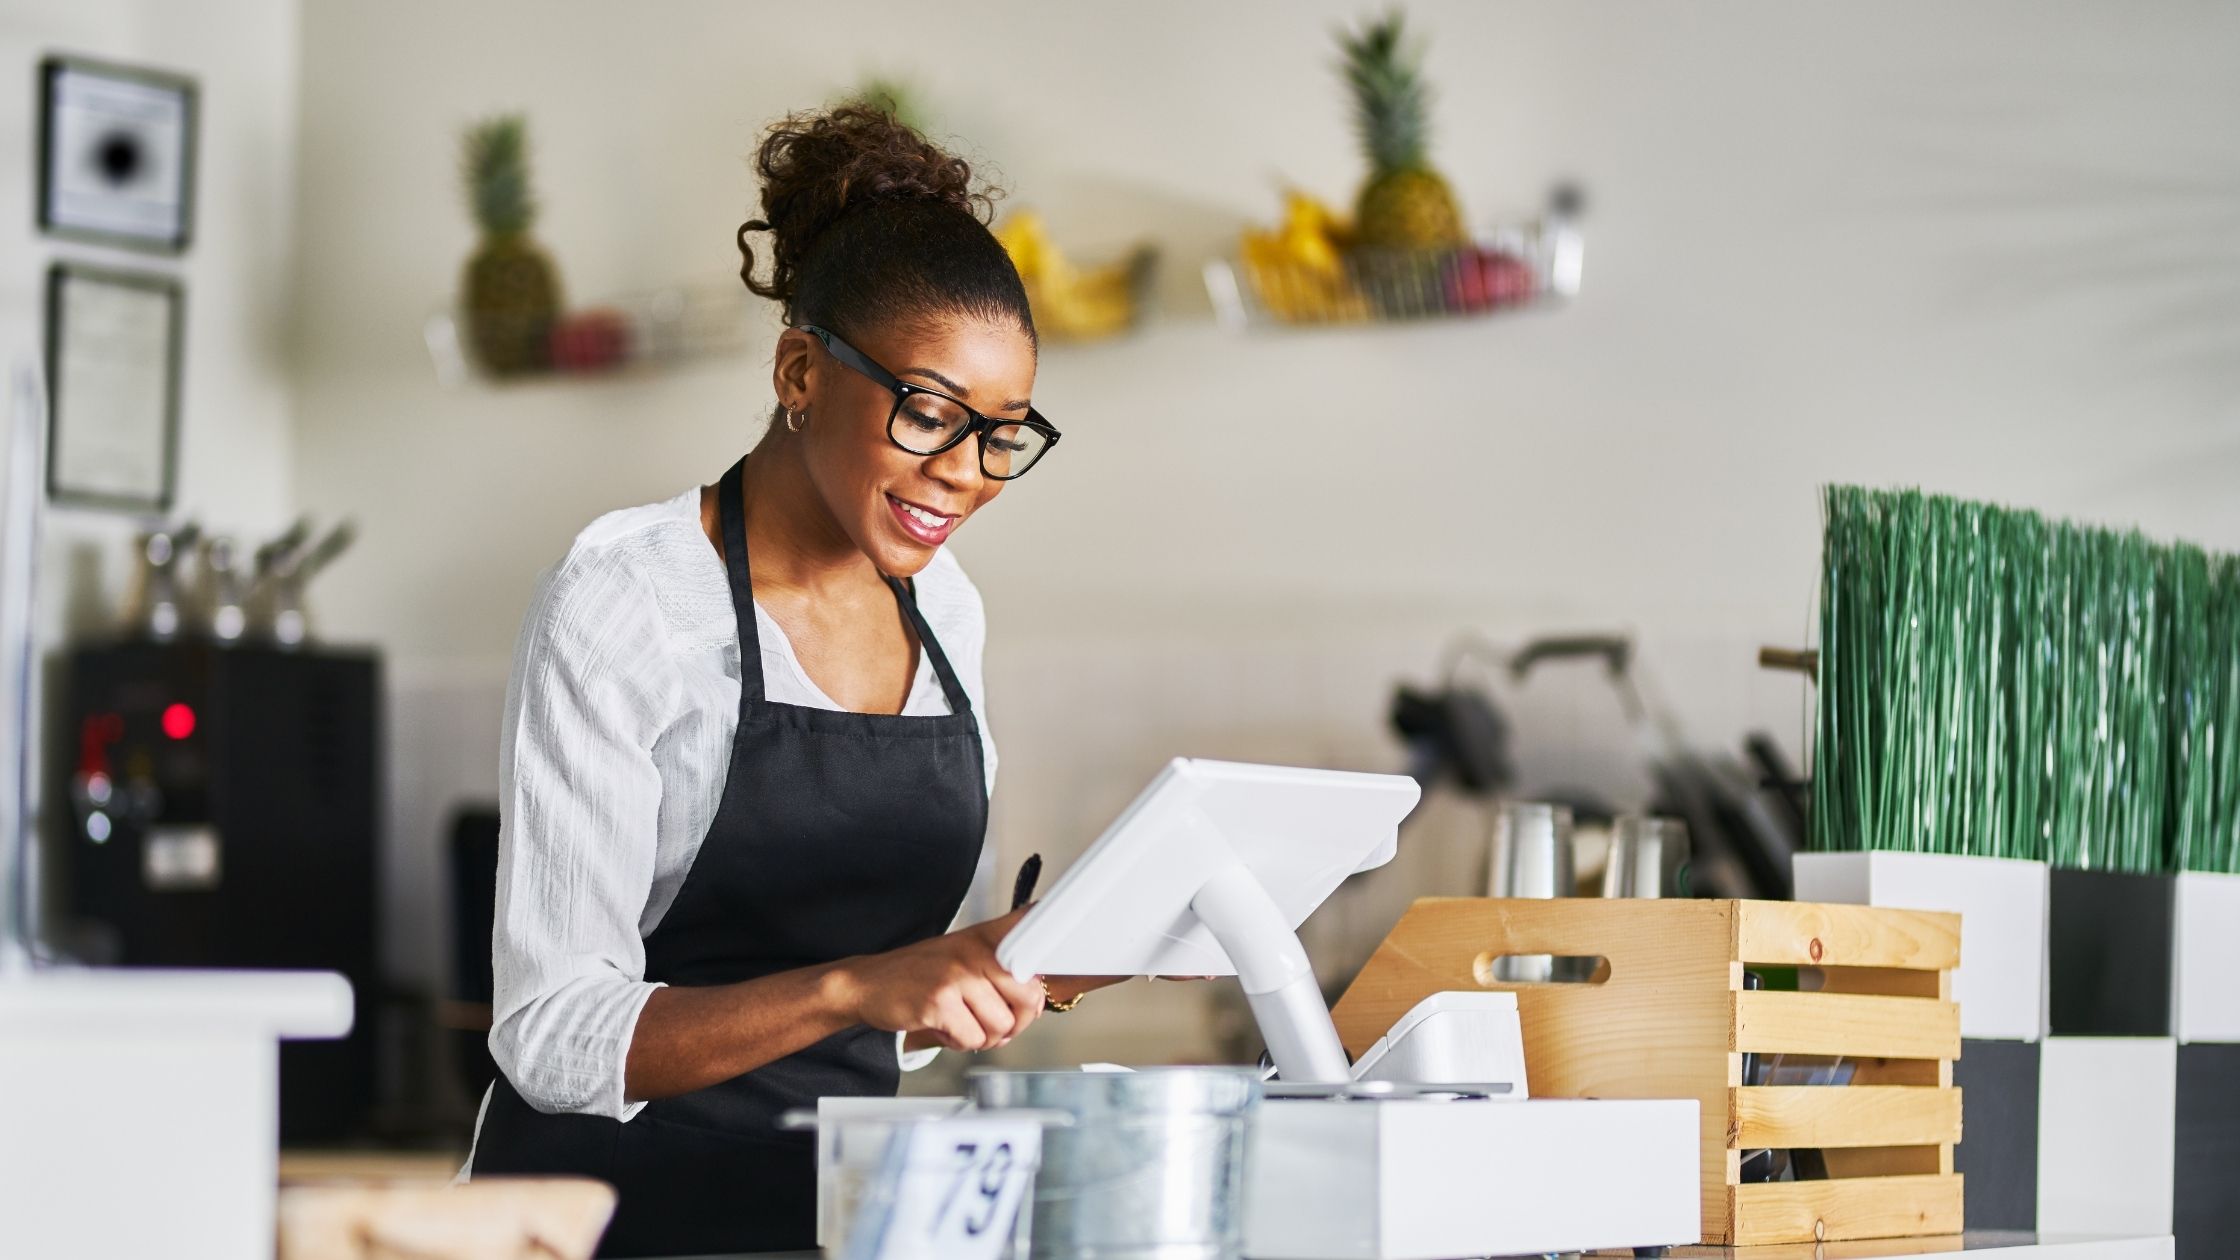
<point x="948" y="1189"/>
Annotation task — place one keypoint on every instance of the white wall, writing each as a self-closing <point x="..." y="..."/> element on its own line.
<point x="235" y="467"/>
<point x="1984" y="247"/>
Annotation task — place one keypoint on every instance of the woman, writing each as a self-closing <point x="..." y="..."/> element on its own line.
<point x="745" y="776"/>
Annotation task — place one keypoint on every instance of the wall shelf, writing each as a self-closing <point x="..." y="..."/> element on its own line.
<point x="665" y="326"/>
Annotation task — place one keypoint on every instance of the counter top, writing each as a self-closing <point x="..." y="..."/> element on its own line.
<point x="1974" y="1245"/>
<point x="1979" y="1245"/>
<point x="287" y="1004"/>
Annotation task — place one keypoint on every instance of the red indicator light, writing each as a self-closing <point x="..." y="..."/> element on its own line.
<point x="178" y="721"/>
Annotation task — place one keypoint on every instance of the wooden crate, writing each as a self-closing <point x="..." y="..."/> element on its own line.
<point x="1668" y="1017"/>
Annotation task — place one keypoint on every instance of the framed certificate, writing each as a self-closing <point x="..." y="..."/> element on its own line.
<point x="113" y="349"/>
<point x="116" y="154"/>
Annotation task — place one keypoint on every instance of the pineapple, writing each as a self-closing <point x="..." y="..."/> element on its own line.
<point x="1405" y="204"/>
<point x="510" y="293"/>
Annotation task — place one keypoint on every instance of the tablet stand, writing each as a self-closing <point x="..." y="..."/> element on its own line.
<point x="1277" y="978"/>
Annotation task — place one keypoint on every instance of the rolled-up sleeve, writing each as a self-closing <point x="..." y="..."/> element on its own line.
<point x="580" y="797"/>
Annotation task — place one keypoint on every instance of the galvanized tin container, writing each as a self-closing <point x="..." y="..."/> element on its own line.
<point x="1152" y="1167"/>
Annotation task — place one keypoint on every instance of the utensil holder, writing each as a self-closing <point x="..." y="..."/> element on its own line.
<point x="1665" y="1015"/>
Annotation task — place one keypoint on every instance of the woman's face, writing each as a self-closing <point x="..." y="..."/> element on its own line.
<point x="895" y="506"/>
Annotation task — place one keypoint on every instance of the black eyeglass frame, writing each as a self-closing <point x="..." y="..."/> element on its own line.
<point x="861" y="363"/>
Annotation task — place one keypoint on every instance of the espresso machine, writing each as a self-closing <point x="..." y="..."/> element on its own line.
<point x="219" y="798"/>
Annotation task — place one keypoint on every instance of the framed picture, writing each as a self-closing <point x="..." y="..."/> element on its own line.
<point x="116" y="154"/>
<point x="113" y="350"/>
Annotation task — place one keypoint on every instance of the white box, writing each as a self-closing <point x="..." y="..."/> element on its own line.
<point x="1415" y="1179"/>
<point x="2107" y="1135"/>
<point x="2205" y="958"/>
<point x="139" y="1110"/>
<point x="2000" y="983"/>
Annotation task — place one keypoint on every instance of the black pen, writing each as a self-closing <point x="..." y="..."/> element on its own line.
<point x="1022" y="888"/>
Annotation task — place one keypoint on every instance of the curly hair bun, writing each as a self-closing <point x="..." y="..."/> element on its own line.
<point x="819" y="167"/>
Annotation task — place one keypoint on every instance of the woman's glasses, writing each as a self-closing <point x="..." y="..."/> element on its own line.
<point x="928" y="422"/>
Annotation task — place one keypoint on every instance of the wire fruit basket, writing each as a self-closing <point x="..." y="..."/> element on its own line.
<point x="1537" y="263"/>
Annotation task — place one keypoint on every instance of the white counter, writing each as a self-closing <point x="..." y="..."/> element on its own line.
<point x="139" y="1109"/>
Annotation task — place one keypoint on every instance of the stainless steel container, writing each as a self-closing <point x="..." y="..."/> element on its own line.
<point x="1532" y="851"/>
<point x="1531" y="858"/>
<point x="1151" y="1168"/>
<point x="1646" y="855"/>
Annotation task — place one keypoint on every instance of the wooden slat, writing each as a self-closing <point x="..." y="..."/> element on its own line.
<point x="1805" y="934"/>
<point x="1846" y="1024"/>
<point x="1839" y="1115"/>
<point x="1865" y="1207"/>
<point x="1860" y="1249"/>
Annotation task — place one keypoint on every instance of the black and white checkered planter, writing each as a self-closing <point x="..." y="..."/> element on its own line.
<point x="2100" y="1017"/>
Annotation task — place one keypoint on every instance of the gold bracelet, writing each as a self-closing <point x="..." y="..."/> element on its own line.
<point x="1052" y="1004"/>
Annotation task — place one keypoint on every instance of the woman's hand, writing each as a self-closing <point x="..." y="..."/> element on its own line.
<point x="949" y="991"/>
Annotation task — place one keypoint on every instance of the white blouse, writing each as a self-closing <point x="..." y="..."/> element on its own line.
<point x="619" y="718"/>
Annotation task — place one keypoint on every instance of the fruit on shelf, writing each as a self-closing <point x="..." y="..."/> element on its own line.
<point x="1483" y="279"/>
<point x="1073" y="303"/>
<point x="1298" y="271"/>
<point x="591" y="340"/>
<point x="1405" y="204"/>
<point x="509" y="293"/>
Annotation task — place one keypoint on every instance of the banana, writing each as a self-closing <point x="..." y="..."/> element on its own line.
<point x="1072" y="303"/>
<point x="1298" y="270"/>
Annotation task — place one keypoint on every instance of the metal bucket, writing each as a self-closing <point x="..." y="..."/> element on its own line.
<point x="1152" y="1167"/>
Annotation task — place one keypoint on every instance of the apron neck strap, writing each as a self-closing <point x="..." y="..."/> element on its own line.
<point x="959" y="702"/>
<point x="731" y="508"/>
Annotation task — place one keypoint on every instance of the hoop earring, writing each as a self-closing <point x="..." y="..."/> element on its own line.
<point x="794" y="419"/>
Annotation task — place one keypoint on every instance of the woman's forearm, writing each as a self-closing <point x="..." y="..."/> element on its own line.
<point x="691" y="1037"/>
<point x="947" y="991"/>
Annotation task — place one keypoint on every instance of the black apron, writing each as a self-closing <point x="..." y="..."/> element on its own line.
<point x="838" y="834"/>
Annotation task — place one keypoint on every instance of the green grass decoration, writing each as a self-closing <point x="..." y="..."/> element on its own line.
<point x="1995" y="683"/>
<point x="2205" y="712"/>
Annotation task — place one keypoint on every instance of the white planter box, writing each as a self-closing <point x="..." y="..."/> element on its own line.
<point x="1420" y="1180"/>
<point x="2107" y="1135"/>
<point x="2000" y="983"/>
<point x="139" y="1110"/>
<point x="2205" y="962"/>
